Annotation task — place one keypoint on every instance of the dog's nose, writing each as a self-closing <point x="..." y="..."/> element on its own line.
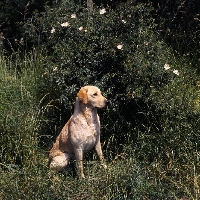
<point x="107" y="101"/>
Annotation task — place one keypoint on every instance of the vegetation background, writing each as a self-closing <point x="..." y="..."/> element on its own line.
<point x="144" y="55"/>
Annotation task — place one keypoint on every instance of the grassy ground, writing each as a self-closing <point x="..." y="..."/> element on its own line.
<point x="23" y="164"/>
<point x="124" y="179"/>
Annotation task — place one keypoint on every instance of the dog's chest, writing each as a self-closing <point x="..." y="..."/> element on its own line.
<point x="84" y="133"/>
<point x="89" y="136"/>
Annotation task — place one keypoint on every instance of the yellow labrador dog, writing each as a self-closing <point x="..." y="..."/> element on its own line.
<point x="81" y="133"/>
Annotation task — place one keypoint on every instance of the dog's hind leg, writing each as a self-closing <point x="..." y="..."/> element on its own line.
<point x="60" y="162"/>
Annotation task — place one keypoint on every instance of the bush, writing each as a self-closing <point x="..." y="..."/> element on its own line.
<point x="179" y="22"/>
<point x="119" y="51"/>
<point x="13" y="15"/>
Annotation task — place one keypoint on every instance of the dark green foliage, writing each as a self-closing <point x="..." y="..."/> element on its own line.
<point x="179" y="22"/>
<point x="92" y="56"/>
<point x="83" y="49"/>
<point x="150" y="131"/>
<point x="13" y="15"/>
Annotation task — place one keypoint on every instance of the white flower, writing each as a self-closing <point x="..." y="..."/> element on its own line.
<point x="80" y="28"/>
<point x="102" y="11"/>
<point x="124" y="21"/>
<point x="73" y="16"/>
<point x="176" y="72"/>
<point x="65" y="24"/>
<point x="55" y="69"/>
<point x="166" y="66"/>
<point x="53" y="30"/>
<point x="119" y="46"/>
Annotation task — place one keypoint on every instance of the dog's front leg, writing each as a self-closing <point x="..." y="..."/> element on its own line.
<point x="100" y="154"/>
<point x="79" y="160"/>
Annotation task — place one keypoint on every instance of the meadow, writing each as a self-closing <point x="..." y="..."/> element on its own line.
<point x="150" y="131"/>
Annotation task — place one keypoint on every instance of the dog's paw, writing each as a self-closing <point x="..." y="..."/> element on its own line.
<point x="59" y="163"/>
<point x="104" y="166"/>
<point x="81" y="176"/>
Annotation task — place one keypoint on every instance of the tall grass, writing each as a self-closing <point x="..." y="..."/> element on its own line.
<point x="123" y="180"/>
<point x="24" y="170"/>
<point x="23" y="166"/>
<point x="150" y="131"/>
<point x="18" y="111"/>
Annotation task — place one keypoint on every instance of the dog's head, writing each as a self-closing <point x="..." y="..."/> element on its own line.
<point x="91" y="96"/>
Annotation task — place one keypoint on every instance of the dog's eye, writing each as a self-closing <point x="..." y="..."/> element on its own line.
<point x="95" y="94"/>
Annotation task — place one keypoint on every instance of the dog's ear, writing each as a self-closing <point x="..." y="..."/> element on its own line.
<point x="82" y="95"/>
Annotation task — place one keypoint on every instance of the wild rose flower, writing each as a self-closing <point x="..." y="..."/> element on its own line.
<point x="102" y="11"/>
<point x="80" y="28"/>
<point x="73" y="16"/>
<point x="176" y="72"/>
<point x="119" y="46"/>
<point x="53" y="30"/>
<point x="66" y="24"/>
<point x="166" y="66"/>
<point x="55" y="69"/>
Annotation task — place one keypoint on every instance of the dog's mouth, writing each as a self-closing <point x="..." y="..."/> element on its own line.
<point x="105" y="103"/>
